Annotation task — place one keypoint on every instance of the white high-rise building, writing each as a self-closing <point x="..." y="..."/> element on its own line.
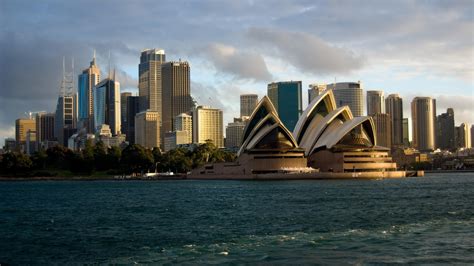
<point x="184" y="122"/>
<point x="208" y="126"/>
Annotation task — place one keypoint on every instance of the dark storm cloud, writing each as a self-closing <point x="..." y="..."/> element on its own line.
<point x="307" y="52"/>
<point x="314" y="36"/>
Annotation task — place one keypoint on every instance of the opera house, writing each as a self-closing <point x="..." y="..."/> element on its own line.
<point x="327" y="142"/>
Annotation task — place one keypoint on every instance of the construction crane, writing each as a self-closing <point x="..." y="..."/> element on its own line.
<point x="29" y="114"/>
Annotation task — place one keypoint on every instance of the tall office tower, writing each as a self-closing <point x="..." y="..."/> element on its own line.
<point x="86" y="82"/>
<point x="405" y="129"/>
<point x="383" y="127"/>
<point x="314" y="90"/>
<point x="184" y="122"/>
<point x="107" y="105"/>
<point x="44" y="128"/>
<point x="22" y="126"/>
<point x="208" y="125"/>
<point x="349" y="93"/>
<point x="394" y="107"/>
<point x="147" y="129"/>
<point x="248" y="102"/>
<point x="66" y="118"/>
<point x="472" y="135"/>
<point x="149" y="79"/>
<point x="423" y="123"/>
<point x="445" y="133"/>
<point x="287" y="99"/>
<point x="234" y="133"/>
<point x="375" y="102"/>
<point x="133" y="108"/>
<point x="176" y="92"/>
<point x="123" y="110"/>
<point x="463" y="136"/>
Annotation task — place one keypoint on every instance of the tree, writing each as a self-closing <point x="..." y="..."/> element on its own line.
<point x="15" y="163"/>
<point x="100" y="156"/>
<point x="136" y="159"/>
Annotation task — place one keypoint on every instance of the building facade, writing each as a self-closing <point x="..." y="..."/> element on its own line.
<point x="66" y="118"/>
<point x="176" y="92"/>
<point x="44" y="128"/>
<point x="394" y="107"/>
<point x="350" y="94"/>
<point x="248" y="102"/>
<point x="375" y="102"/>
<point x="147" y="129"/>
<point x="406" y="130"/>
<point x="383" y="128"/>
<point x="174" y="139"/>
<point x="22" y="126"/>
<point x="133" y="108"/>
<point x="107" y="105"/>
<point x="123" y="110"/>
<point x="286" y="96"/>
<point x="86" y="82"/>
<point x="234" y="134"/>
<point x="464" y="136"/>
<point x="149" y="79"/>
<point x="184" y="122"/>
<point x="423" y="110"/>
<point x="445" y="131"/>
<point x="208" y="126"/>
<point x="315" y="90"/>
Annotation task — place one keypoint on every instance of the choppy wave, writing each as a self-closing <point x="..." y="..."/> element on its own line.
<point x="416" y="221"/>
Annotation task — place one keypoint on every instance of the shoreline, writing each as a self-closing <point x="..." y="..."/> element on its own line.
<point x="260" y="177"/>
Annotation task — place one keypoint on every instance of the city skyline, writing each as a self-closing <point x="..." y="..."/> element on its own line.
<point x="229" y="59"/>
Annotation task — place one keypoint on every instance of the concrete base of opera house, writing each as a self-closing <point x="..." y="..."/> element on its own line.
<point x="307" y="176"/>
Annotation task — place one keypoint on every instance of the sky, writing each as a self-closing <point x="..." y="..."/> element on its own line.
<point x="414" y="48"/>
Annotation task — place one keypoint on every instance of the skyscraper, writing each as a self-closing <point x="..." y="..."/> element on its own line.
<point x="86" y="82"/>
<point x="123" y="110"/>
<point x="464" y="136"/>
<point x="133" y="108"/>
<point x="208" y="126"/>
<point x="394" y="107"/>
<point x="384" y="131"/>
<point x="22" y="126"/>
<point x="406" y="139"/>
<point x="184" y="122"/>
<point x="107" y="105"/>
<point x="149" y="79"/>
<point x="445" y="132"/>
<point x="375" y="102"/>
<point x="176" y="92"/>
<point x="286" y="96"/>
<point x="350" y="94"/>
<point x="66" y="118"/>
<point x="147" y="129"/>
<point x="248" y="102"/>
<point x="234" y="134"/>
<point x="314" y="90"/>
<point x="422" y="113"/>
<point x="44" y="128"/>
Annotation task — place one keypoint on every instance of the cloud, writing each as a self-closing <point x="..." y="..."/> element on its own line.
<point x="241" y="64"/>
<point x="308" y="53"/>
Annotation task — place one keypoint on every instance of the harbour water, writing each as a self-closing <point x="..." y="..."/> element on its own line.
<point x="415" y="220"/>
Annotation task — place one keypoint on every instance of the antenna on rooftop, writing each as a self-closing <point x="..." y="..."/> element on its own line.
<point x="109" y="64"/>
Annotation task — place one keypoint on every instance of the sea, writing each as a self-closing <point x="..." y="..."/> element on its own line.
<point x="420" y="220"/>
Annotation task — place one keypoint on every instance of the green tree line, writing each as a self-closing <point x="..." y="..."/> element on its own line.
<point x="97" y="158"/>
